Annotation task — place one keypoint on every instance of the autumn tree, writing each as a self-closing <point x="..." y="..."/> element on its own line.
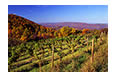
<point x="84" y="31"/>
<point x="65" y="31"/>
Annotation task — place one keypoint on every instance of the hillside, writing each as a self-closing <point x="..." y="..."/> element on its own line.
<point x="22" y="29"/>
<point x="36" y="48"/>
<point x="76" y="25"/>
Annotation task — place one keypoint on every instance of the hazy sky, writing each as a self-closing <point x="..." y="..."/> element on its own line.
<point x="61" y="13"/>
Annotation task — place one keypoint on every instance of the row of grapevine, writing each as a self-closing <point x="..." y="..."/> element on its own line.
<point x="53" y="54"/>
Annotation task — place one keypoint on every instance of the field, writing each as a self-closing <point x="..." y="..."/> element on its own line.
<point x="73" y="53"/>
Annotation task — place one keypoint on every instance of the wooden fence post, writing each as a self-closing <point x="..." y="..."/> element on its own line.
<point x="73" y="65"/>
<point x="52" y="57"/>
<point x="92" y="51"/>
<point x="87" y="42"/>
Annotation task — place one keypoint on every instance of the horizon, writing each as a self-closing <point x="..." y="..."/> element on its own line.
<point x="62" y="13"/>
<point x="71" y="22"/>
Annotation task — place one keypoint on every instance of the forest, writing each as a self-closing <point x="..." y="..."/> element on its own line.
<point x="36" y="48"/>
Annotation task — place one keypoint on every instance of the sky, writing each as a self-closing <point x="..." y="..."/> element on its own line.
<point x="61" y="13"/>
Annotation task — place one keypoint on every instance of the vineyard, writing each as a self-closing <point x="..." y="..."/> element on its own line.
<point x="36" y="48"/>
<point x="73" y="53"/>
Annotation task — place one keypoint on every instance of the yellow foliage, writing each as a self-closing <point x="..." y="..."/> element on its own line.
<point x="23" y="38"/>
<point x="59" y="34"/>
<point x="73" y="30"/>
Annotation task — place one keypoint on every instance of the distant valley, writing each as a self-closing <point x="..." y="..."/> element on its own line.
<point x="76" y="25"/>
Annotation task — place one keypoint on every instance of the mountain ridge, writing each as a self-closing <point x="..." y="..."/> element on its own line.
<point x="24" y="29"/>
<point x="76" y="25"/>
